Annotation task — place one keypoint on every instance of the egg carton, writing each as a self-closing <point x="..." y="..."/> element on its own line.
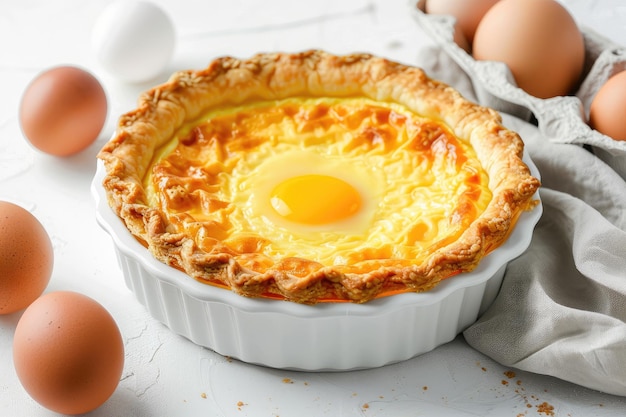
<point x="561" y="119"/>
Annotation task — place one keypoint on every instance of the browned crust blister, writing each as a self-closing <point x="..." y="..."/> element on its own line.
<point x="162" y="110"/>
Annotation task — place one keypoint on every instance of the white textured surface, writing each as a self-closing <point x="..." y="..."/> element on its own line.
<point x="164" y="374"/>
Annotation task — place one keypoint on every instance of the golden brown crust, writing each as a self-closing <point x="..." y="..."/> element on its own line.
<point x="228" y="81"/>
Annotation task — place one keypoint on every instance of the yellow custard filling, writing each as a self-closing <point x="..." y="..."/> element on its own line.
<point x="333" y="181"/>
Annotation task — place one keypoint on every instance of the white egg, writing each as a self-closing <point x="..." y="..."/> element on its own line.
<point x="134" y="40"/>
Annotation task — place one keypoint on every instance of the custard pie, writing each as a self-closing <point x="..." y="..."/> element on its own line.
<point x="314" y="178"/>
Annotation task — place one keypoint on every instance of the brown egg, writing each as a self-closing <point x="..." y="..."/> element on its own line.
<point x="68" y="352"/>
<point x="607" y="113"/>
<point x="538" y="40"/>
<point x="468" y="14"/>
<point x="26" y="258"/>
<point x="63" y="110"/>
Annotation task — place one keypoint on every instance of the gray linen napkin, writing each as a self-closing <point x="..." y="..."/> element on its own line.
<point x="561" y="310"/>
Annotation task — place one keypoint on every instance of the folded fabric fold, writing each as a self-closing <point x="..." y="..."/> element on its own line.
<point x="561" y="310"/>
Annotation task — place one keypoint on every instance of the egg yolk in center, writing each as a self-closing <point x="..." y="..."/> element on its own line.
<point x="315" y="199"/>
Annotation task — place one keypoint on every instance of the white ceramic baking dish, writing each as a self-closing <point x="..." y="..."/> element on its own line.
<point x="326" y="336"/>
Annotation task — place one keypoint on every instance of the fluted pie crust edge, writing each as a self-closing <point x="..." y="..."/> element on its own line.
<point x="162" y="110"/>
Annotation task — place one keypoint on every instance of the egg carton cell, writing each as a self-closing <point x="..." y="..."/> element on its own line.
<point x="562" y="119"/>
